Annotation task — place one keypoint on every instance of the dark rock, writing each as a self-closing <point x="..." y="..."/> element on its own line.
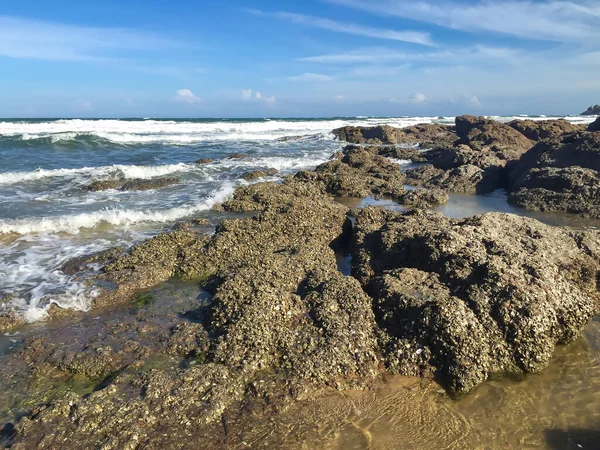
<point x="190" y="224"/>
<point x="280" y="305"/>
<point x="423" y="134"/>
<point x="536" y="130"/>
<point x="480" y="133"/>
<point x="573" y="190"/>
<point x="81" y="263"/>
<point x="595" y="125"/>
<point x="9" y="318"/>
<point x="560" y="174"/>
<point x="577" y="149"/>
<point x="492" y="293"/>
<point x="204" y="161"/>
<point x="592" y="111"/>
<point x="237" y="156"/>
<point x="382" y="134"/>
<point x="467" y="179"/>
<point x="256" y="174"/>
<point x="423" y="198"/>
<point x="136" y="184"/>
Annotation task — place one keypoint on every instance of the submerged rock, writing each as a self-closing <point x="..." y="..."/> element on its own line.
<point x="9" y="318"/>
<point x="256" y="174"/>
<point x="561" y="174"/>
<point x="492" y="293"/>
<point x="136" y="184"/>
<point x="204" y="161"/>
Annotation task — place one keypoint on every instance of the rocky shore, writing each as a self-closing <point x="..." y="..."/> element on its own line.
<point x="453" y="300"/>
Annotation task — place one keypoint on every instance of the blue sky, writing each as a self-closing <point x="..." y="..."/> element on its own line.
<point x="233" y="58"/>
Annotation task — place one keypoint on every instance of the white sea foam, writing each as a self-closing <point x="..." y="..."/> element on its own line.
<point x="128" y="171"/>
<point x="115" y="216"/>
<point x="172" y="132"/>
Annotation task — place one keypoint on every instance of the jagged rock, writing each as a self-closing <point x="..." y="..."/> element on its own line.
<point x="592" y="111"/>
<point x="492" y="293"/>
<point x="423" y="134"/>
<point x="382" y="134"/>
<point x="136" y="184"/>
<point x="595" y="125"/>
<point x="572" y="189"/>
<point x="561" y="174"/>
<point x="423" y="198"/>
<point x="280" y="306"/>
<point x="9" y="318"/>
<point x="256" y="174"/>
<point x="480" y="133"/>
<point x="450" y="158"/>
<point x="389" y="151"/>
<point x="536" y="130"/>
<point x="468" y="179"/>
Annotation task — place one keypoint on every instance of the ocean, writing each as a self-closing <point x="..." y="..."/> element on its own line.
<point x="47" y="218"/>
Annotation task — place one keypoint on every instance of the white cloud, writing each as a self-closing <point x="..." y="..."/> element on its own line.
<point x="249" y="95"/>
<point x="339" y="98"/>
<point x="563" y="21"/>
<point x="416" y="98"/>
<point x="187" y="96"/>
<point x="246" y="94"/>
<point x="311" y="77"/>
<point x="36" y="39"/>
<point x="415" y="37"/>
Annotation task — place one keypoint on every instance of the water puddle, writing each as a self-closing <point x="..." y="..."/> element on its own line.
<point x="460" y="206"/>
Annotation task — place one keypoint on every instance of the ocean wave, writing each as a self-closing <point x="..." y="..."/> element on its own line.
<point x="127" y="171"/>
<point x="115" y="217"/>
<point x="169" y="132"/>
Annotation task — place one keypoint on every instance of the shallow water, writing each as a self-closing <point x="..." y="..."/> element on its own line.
<point x="558" y="408"/>
<point x="460" y="206"/>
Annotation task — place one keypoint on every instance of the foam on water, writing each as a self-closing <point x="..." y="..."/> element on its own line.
<point x="128" y="171"/>
<point x="115" y="216"/>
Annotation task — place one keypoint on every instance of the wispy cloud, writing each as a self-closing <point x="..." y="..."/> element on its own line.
<point x="381" y="55"/>
<point x="563" y="21"/>
<point x="187" y="96"/>
<point x="311" y="77"/>
<point x="415" y="37"/>
<point x="35" y="39"/>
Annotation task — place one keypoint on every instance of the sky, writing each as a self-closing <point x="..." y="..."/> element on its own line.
<point x="310" y="58"/>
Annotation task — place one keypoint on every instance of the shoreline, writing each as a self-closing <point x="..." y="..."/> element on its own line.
<point x="282" y="311"/>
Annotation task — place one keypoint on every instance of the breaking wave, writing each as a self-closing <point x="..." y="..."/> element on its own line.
<point x="113" y="216"/>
